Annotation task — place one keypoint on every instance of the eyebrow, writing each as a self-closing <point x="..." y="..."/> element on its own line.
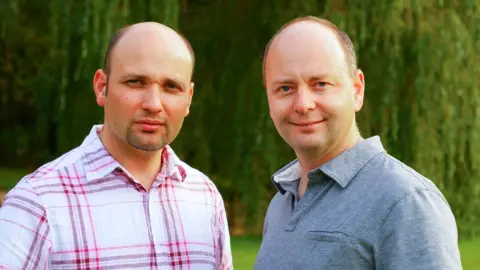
<point x="283" y="81"/>
<point x="133" y="75"/>
<point x="310" y="79"/>
<point x="143" y="77"/>
<point x="320" y="77"/>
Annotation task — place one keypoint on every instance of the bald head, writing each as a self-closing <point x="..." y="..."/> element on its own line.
<point x="137" y="35"/>
<point x="315" y="31"/>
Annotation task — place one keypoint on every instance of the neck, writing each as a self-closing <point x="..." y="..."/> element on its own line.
<point x="313" y="158"/>
<point x="144" y="166"/>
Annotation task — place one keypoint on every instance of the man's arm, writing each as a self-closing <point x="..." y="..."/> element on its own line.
<point x="24" y="231"/>
<point x="223" y="250"/>
<point x="419" y="233"/>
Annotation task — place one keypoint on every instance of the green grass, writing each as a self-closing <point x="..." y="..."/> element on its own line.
<point x="244" y="251"/>
<point x="470" y="252"/>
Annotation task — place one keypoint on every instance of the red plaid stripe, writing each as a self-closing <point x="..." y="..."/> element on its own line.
<point x="84" y="210"/>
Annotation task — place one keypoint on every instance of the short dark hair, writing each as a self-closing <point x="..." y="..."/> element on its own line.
<point x="121" y="32"/>
<point x="344" y="39"/>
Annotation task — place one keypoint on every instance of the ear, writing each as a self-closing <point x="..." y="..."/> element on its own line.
<point x="190" y="95"/>
<point x="100" y="86"/>
<point x="359" y="90"/>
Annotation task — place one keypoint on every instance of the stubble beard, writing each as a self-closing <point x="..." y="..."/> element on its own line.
<point x="137" y="141"/>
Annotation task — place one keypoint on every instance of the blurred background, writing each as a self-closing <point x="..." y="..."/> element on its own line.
<point x="421" y="61"/>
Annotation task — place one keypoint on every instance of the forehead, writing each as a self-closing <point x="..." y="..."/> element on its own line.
<point x="305" y="47"/>
<point x="148" y="52"/>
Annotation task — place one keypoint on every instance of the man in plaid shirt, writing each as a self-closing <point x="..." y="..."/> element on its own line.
<point x="123" y="199"/>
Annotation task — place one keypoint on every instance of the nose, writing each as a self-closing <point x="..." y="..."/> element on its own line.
<point x="304" y="100"/>
<point x="152" y="100"/>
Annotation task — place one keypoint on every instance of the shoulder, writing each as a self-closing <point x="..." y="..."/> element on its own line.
<point x="48" y="173"/>
<point x="416" y="220"/>
<point x="401" y="191"/>
<point x="27" y="193"/>
<point x="192" y="176"/>
<point x="195" y="177"/>
<point x="393" y="180"/>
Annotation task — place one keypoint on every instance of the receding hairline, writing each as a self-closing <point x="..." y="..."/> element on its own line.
<point x="115" y="39"/>
<point x="343" y="38"/>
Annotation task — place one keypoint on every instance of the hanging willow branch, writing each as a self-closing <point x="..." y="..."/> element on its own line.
<point x="420" y="60"/>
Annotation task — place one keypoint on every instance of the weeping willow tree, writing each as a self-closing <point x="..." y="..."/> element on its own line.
<point x="419" y="59"/>
<point x="51" y="51"/>
<point x="421" y="64"/>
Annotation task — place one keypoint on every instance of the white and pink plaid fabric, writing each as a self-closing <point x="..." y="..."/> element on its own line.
<point x="84" y="211"/>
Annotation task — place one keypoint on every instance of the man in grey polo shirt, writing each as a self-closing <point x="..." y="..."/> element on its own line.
<point x="344" y="203"/>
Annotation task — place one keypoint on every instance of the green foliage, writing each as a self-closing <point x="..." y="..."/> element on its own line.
<point x="420" y="60"/>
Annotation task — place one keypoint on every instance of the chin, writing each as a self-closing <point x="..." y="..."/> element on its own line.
<point x="307" y="147"/>
<point x="307" y="144"/>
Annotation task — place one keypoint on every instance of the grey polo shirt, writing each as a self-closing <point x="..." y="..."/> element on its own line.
<point x="362" y="210"/>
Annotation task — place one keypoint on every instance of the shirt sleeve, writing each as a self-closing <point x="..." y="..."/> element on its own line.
<point x="24" y="231"/>
<point x="223" y="249"/>
<point x="419" y="233"/>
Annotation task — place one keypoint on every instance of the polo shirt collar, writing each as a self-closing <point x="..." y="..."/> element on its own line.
<point x="342" y="168"/>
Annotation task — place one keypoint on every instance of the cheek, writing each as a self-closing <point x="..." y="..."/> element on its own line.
<point x="175" y="107"/>
<point x="121" y="106"/>
<point x="334" y="104"/>
<point x="280" y="109"/>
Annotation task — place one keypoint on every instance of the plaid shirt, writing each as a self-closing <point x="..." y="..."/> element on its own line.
<point x="84" y="211"/>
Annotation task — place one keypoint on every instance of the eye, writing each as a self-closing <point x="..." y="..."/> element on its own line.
<point x="321" y="84"/>
<point x="171" y="85"/>
<point x="284" y="88"/>
<point x="135" y="83"/>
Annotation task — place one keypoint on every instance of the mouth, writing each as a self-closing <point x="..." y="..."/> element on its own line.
<point x="307" y="123"/>
<point x="150" y="125"/>
<point x="150" y="122"/>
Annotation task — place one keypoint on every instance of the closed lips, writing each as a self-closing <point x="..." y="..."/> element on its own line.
<point x="306" y="123"/>
<point x="150" y="122"/>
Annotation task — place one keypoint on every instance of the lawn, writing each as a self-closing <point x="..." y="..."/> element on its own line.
<point x="245" y="249"/>
<point x="470" y="252"/>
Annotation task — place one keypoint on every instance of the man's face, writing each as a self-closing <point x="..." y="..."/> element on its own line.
<point x="311" y="95"/>
<point x="148" y="93"/>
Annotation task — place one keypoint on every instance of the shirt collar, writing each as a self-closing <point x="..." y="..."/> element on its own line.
<point x="342" y="169"/>
<point x="99" y="163"/>
<point x="172" y="165"/>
